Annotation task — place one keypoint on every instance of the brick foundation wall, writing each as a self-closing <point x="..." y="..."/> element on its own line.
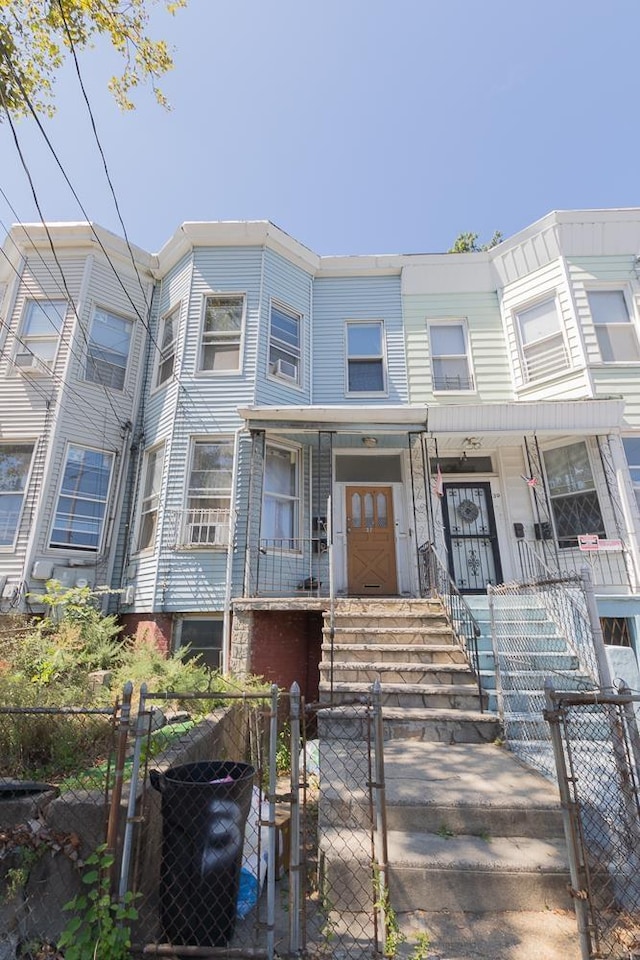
<point x="156" y="626"/>
<point x="286" y="646"/>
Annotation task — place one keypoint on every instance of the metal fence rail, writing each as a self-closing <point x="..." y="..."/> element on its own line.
<point x="597" y="757"/>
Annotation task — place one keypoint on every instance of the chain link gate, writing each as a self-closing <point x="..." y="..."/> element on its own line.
<point x="597" y="754"/>
<point x="275" y="847"/>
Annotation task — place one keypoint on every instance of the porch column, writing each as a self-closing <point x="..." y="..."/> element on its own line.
<point x="254" y="510"/>
<point x="240" y="655"/>
<point x="627" y="506"/>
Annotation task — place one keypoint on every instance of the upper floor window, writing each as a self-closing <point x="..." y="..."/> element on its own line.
<point x="168" y="336"/>
<point x="15" y="463"/>
<point x="632" y="452"/>
<point x="284" y="344"/>
<point x="40" y="333"/>
<point x="209" y="493"/>
<point x="615" y="331"/>
<point x="151" y="487"/>
<point x="222" y="333"/>
<point x="108" y="349"/>
<point x="544" y="351"/>
<point x="82" y="500"/>
<point x="281" y="502"/>
<point x="365" y="357"/>
<point x="450" y="364"/>
<point x="572" y="490"/>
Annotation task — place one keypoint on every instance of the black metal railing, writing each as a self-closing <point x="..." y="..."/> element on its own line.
<point x="436" y="582"/>
<point x="564" y="557"/>
<point x="293" y="567"/>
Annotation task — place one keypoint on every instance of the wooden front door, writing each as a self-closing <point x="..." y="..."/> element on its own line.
<point x="371" y="546"/>
<point x="470" y="533"/>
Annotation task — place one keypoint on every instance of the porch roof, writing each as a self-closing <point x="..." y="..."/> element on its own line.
<point x="540" y="416"/>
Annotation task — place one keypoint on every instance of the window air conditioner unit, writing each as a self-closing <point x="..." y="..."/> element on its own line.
<point x="31" y="365"/>
<point x="286" y="370"/>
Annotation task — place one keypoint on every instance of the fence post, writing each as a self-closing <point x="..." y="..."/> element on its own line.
<point x="604" y="673"/>
<point x="380" y="826"/>
<point x="271" y="872"/>
<point x="142" y="729"/>
<point x="632" y="725"/>
<point x="568" y="816"/>
<point x="295" y="904"/>
<point x="120" y="755"/>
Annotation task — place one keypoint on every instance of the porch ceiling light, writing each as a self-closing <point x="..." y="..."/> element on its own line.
<point x="472" y="443"/>
<point x="370" y="441"/>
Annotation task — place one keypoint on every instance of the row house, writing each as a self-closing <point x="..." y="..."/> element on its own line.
<point x="235" y="431"/>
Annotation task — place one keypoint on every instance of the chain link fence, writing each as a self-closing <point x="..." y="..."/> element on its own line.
<point x="597" y="757"/>
<point x="58" y="773"/>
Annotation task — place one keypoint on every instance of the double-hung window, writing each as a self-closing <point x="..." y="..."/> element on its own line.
<point x="281" y="500"/>
<point x="40" y="334"/>
<point x="450" y="365"/>
<point x="167" y="357"/>
<point x="222" y="333"/>
<point x="572" y="490"/>
<point x="615" y="330"/>
<point x="209" y="494"/>
<point x="151" y="488"/>
<point x="365" y="357"/>
<point x="632" y="453"/>
<point x="284" y="344"/>
<point x="82" y="501"/>
<point x="108" y="349"/>
<point x="544" y="351"/>
<point x="15" y="463"/>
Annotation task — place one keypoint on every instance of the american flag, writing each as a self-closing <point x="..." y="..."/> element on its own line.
<point x="530" y="481"/>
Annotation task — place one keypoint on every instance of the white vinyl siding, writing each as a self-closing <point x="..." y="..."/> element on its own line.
<point x="15" y="464"/>
<point x="615" y="332"/>
<point x="81" y="506"/>
<point x="449" y="352"/>
<point x="365" y="357"/>
<point x="40" y="333"/>
<point x="284" y="343"/>
<point x="108" y="349"/>
<point x="222" y="333"/>
<point x="544" y="352"/>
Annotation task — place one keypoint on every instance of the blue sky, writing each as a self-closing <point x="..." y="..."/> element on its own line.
<point x="358" y="126"/>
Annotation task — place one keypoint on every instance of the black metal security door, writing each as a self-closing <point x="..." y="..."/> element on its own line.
<point x="470" y="532"/>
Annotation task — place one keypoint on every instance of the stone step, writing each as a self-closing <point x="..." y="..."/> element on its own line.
<point x="457" y="696"/>
<point x="384" y="634"/>
<point x="407" y="673"/>
<point x="395" y="652"/>
<point x="432" y="873"/>
<point x="352" y="722"/>
<point x="380" y="607"/>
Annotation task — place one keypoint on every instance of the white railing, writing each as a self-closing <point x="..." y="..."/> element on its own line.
<point x="200" y="528"/>
<point x="550" y="558"/>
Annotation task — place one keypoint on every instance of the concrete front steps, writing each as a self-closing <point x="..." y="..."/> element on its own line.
<point x="428" y="689"/>
<point x="469" y="829"/>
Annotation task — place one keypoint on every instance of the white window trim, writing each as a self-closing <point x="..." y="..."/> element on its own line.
<point x="630" y="302"/>
<point x="193" y="441"/>
<point x="144" y="551"/>
<point x="294" y="314"/>
<point x="69" y="548"/>
<point x="177" y="309"/>
<point x="22" y="339"/>
<point x="452" y="322"/>
<point x="383" y="356"/>
<point x="9" y="548"/>
<point x="119" y="316"/>
<point x="235" y="372"/>
<point x="515" y="317"/>
<point x="289" y="448"/>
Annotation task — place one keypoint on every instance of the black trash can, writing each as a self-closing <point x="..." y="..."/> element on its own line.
<point x="204" y="811"/>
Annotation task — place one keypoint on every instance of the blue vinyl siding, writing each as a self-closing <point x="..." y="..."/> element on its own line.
<point x="339" y="299"/>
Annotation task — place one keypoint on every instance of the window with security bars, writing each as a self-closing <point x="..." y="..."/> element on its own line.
<point x="615" y="330"/>
<point x="544" y="351"/>
<point x="108" y="349"/>
<point x="616" y="631"/>
<point x="222" y="333"/>
<point x="209" y="494"/>
<point x="574" y="499"/>
<point x="450" y="364"/>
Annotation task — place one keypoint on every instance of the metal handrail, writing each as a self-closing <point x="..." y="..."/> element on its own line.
<point x="332" y="593"/>
<point x="436" y="581"/>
